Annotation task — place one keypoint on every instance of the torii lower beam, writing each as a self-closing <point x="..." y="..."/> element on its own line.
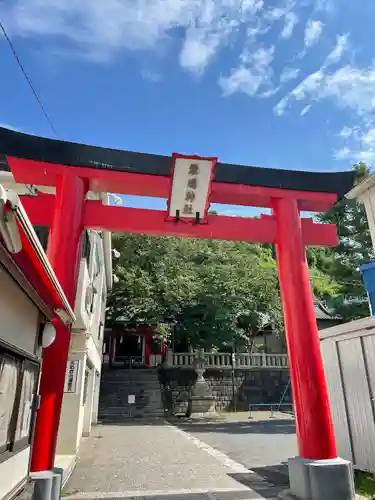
<point x="142" y="221"/>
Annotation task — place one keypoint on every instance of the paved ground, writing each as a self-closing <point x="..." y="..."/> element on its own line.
<point x="261" y="444"/>
<point x="158" y="461"/>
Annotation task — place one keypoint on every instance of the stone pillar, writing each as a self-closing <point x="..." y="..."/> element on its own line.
<point x="200" y="399"/>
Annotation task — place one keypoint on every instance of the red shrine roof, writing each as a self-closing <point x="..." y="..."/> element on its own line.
<point x="29" y="266"/>
<point x="39" y="149"/>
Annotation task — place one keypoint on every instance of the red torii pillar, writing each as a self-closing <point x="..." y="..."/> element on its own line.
<point x="64" y="253"/>
<point x="316" y="439"/>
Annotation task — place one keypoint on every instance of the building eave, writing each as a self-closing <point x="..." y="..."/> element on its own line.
<point x="358" y="191"/>
<point x="33" y="264"/>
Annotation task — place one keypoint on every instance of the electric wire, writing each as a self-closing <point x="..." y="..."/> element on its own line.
<point x="28" y="79"/>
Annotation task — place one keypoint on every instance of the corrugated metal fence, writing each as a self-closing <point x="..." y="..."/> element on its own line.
<point x="349" y="360"/>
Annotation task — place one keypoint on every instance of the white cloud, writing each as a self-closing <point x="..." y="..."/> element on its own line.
<point x="337" y="85"/>
<point x="281" y="106"/>
<point x="253" y="73"/>
<point x="305" y="110"/>
<point x="368" y="137"/>
<point x="355" y="154"/>
<point x="365" y="156"/>
<point x="288" y="74"/>
<point x="198" y="49"/>
<point x="290" y="21"/>
<point x="302" y="91"/>
<point x="313" y="32"/>
<point x="342" y="154"/>
<point x="279" y="11"/>
<point x="348" y="87"/>
<point x="351" y="88"/>
<point x="99" y="29"/>
<point x="324" y="5"/>
<point x="361" y="140"/>
<point x="342" y="44"/>
<point x="346" y="132"/>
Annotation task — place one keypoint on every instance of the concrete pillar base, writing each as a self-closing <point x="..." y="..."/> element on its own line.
<point x="56" y="483"/>
<point x="43" y="484"/>
<point x="319" y="480"/>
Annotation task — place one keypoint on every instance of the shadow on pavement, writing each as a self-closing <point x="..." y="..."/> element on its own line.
<point x="260" y="485"/>
<point x="281" y="426"/>
<point x="211" y="495"/>
<point x="275" y="474"/>
<point x="131" y="422"/>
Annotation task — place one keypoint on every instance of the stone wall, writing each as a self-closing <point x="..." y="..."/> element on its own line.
<point x="250" y="387"/>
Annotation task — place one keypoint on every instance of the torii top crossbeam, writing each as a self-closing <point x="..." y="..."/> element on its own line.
<point x="36" y="160"/>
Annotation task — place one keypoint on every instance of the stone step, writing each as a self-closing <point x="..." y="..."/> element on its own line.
<point x="114" y="411"/>
<point x="117" y="385"/>
<point x="139" y="402"/>
<point x="125" y="411"/>
<point x="108" y="408"/>
<point x="127" y="373"/>
<point x="139" y="396"/>
<point x="125" y="376"/>
<point x="127" y="384"/>
<point x="129" y="414"/>
<point x="130" y="383"/>
<point x="125" y="418"/>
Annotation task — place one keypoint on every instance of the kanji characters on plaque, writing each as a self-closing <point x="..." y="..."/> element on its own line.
<point x="190" y="190"/>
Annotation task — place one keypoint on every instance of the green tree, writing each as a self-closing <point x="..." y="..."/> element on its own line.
<point x="345" y="291"/>
<point x="202" y="288"/>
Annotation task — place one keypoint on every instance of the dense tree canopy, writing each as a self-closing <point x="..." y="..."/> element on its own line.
<point x="220" y="293"/>
<point x="210" y="291"/>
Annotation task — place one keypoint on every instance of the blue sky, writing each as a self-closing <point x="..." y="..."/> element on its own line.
<point x="279" y="83"/>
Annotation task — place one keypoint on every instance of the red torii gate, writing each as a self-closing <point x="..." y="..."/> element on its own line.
<point x="76" y="169"/>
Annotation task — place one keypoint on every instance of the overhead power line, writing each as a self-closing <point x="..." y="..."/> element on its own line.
<point x="28" y="79"/>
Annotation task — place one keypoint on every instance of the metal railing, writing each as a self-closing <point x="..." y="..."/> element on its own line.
<point x="224" y="360"/>
<point x="272" y="407"/>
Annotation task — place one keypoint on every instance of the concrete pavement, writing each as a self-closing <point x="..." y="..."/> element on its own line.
<point x="261" y="444"/>
<point x="158" y="461"/>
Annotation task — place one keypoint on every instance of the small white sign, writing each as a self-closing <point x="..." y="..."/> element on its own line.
<point x="191" y="184"/>
<point x="71" y="376"/>
<point x="131" y="399"/>
<point x="27" y="411"/>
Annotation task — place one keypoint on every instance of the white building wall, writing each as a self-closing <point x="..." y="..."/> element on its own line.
<point x="78" y="415"/>
<point x="71" y="419"/>
<point x="14" y="472"/>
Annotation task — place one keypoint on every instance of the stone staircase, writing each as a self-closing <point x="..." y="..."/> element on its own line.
<point x="129" y="394"/>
